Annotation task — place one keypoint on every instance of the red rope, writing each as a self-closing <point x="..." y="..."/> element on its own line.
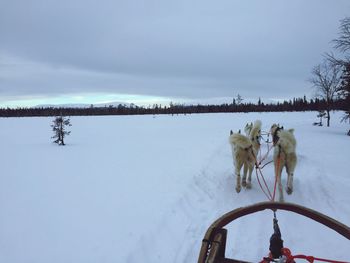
<point x="269" y="196"/>
<point x="267" y="193"/>
<point x="274" y="189"/>
<point x="265" y="156"/>
<point x="311" y="259"/>
<point x="262" y="167"/>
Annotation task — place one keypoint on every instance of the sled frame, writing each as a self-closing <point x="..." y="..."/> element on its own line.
<point x="214" y="241"/>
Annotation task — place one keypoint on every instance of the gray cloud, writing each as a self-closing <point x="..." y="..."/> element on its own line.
<point x="187" y="49"/>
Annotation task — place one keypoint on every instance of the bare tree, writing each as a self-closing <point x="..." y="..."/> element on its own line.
<point x="342" y="43"/>
<point x="345" y="92"/>
<point x="59" y="129"/>
<point x="326" y="78"/>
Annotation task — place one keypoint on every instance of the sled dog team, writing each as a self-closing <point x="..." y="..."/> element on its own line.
<point x="245" y="149"/>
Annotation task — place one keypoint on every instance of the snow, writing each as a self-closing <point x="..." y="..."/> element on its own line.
<point x="145" y="188"/>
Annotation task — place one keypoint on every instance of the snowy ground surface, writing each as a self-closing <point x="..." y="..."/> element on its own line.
<point x="145" y="189"/>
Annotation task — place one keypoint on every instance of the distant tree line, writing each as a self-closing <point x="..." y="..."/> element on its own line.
<point x="295" y="104"/>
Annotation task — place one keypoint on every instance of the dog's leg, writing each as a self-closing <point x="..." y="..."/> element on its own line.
<point x="238" y="176"/>
<point x="290" y="166"/>
<point x="238" y="183"/>
<point x="250" y="171"/>
<point x="244" y="179"/>
<point x="289" y="188"/>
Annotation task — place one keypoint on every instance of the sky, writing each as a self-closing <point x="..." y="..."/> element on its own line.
<point x="157" y="51"/>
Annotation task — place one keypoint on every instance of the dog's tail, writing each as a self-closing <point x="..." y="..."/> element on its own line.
<point x="239" y="140"/>
<point x="257" y="123"/>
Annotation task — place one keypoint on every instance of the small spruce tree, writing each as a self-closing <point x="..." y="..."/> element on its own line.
<point x="59" y="128"/>
<point x="239" y="99"/>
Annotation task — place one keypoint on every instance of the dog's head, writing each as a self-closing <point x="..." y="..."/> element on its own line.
<point x="255" y="133"/>
<point x="275" y="128"/>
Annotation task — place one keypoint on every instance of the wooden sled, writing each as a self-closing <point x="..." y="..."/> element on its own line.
<point x="214" y="242"/>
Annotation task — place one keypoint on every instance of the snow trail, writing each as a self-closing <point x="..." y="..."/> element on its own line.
<point x="212" y="193"/>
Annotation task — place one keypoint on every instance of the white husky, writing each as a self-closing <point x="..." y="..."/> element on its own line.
<point x="244" y="152"/>
<point x="284" y="156"/>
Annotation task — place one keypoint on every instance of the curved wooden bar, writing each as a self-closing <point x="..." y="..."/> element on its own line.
<point x="243" y="211"/>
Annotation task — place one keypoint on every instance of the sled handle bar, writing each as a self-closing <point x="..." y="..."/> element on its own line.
<point x="214" y="242"/>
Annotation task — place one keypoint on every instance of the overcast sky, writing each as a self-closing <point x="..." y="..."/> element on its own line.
<point x="93" y="51"/>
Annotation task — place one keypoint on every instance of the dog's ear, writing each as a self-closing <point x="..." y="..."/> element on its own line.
<point x="231" y="132"/>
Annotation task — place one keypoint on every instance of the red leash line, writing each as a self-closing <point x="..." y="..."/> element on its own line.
<point x="311" y="259"/>
<point x="270" y="197"/>
<point x="274" y="189"/>
<point x="262" y="167"/>
<point x="265" y="156"/>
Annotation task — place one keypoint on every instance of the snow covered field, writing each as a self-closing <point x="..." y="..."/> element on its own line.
<point x="145" y="189"/>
